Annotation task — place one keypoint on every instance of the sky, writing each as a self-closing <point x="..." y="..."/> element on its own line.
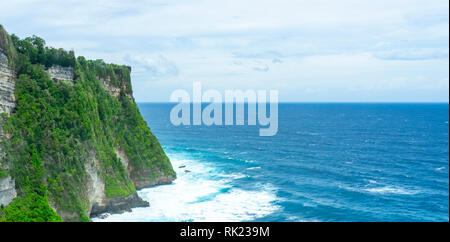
<point x="310" y="51"/>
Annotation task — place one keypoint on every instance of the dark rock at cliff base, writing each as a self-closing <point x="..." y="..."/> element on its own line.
<point x="183" y="166"/>
<point x="141" y="183"/>
<point x="103" y="216"/>
<point x="118" y="205"/>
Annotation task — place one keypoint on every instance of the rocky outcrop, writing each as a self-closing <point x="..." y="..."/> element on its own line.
<point x="123" y="158"/>
<point x="61" y="73"/>
<point x="96" y="185"/>
<point x="7" y="104"/>
<point x="112" y="90"/>
<point x="140" y="178"/>
<point x="98" y="201"/>
<point x="7" y="190"/>
<point x="118" y="205"/>
<point x="7" y="77"/>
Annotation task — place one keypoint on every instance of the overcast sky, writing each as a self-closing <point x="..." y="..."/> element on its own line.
<point x="311" y="51"/>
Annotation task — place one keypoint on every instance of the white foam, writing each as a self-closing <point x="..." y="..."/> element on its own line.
<point x="390" y="190"/>
<point x="233" y="176"/>
<point x="197" y="196"/>
<point x="254" y="168"/>
<point x="380" y="189"/>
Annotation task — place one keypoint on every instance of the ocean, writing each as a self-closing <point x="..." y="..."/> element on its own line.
<point x="328" y="162"/>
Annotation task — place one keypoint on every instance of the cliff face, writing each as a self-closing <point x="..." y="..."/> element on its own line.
<point x="72" y="141"/>
<point x="7" y="190"/>
<point x="57" y="72"/>
<point x="7" y="100"/>
<point x="7" y="104"/>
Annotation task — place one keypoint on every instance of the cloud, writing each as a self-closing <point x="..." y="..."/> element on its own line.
<point x="257" y="61"/>
<point x="413" y="54"/>
<point x="265" y="68"/>
<point x="260" y="55"/>
<point x="325" y="46"/>
<point x="157" y="66"/>
<point x="276" y="60"/>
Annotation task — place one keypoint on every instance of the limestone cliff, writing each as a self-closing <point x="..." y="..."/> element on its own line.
<point x="7" y="190"/>
<point x="72" y="141"/>
<point x="57" y="72"/>
<point x="7" y="100"/>
<point x="7" y="104"/>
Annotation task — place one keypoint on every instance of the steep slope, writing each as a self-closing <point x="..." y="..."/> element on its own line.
<point x="73" y="141"/>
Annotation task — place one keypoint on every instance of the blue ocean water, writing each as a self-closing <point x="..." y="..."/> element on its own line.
<point x="328" y="162"/>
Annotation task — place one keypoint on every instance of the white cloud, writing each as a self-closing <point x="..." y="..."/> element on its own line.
<point x="413" y="54"/>
<point x="157" y="66"/>
<point x="338" y="50"/>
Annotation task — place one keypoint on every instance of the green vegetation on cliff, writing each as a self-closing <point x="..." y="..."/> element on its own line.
<point x="58" y="128"/>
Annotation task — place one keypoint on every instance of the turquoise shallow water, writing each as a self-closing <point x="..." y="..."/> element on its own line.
<point x="328" y="162"/>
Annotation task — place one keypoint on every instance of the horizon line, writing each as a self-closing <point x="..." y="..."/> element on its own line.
<point x="331" y="102"/>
